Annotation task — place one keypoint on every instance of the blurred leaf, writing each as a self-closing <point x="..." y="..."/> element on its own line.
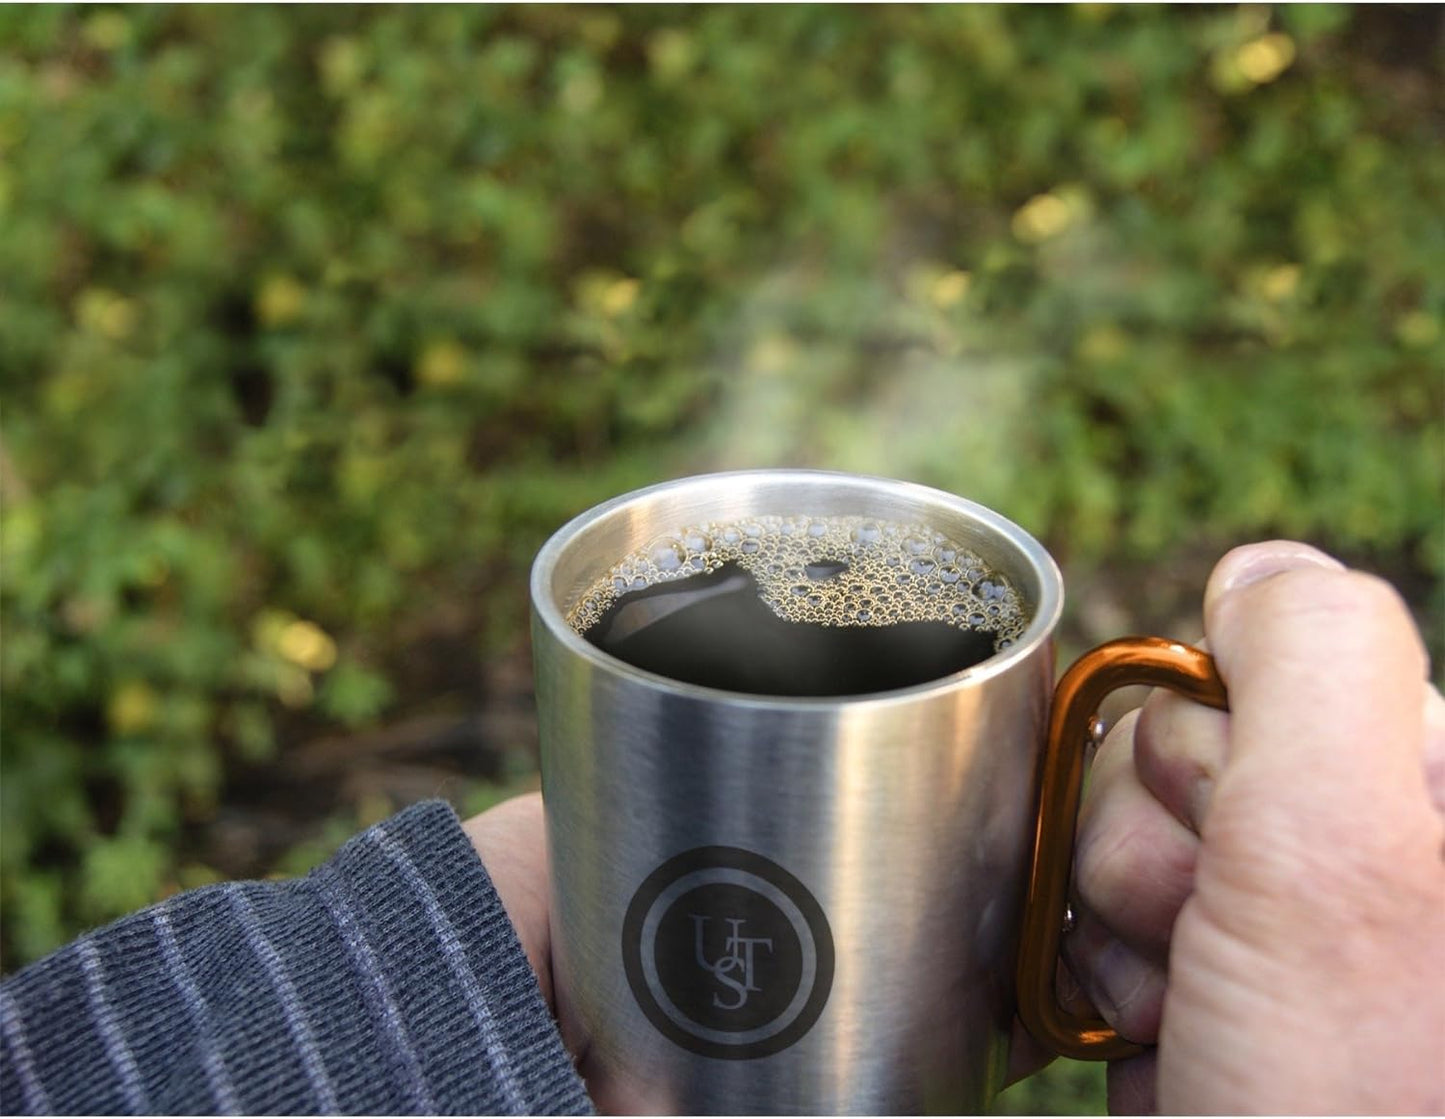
<point x="122" y="874"/>
<point x="352" y="695"/>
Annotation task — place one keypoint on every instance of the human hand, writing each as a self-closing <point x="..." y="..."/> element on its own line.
<point x="1261" y="894"/>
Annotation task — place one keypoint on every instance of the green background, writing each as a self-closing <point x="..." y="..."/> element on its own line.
<point x="314" y="322"/>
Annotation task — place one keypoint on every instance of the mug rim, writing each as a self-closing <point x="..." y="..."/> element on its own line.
<point x="1042" y="621"/>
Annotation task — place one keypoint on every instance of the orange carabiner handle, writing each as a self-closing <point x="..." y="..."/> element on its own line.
<point x="1130" y="660"/>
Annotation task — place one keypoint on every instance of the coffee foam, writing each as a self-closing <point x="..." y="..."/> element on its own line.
<point x="834" y="571"/>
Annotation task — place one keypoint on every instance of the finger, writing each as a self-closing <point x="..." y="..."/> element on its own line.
<point x="1131" y="1084"/>
<point x="1134" y="862"/>
<point x="1325" y="672"/>
<point x="1435" y="747"/>
<point x="1179" y="750"/>
<point x="1253" y="562"/>
<point x="1126" y="986"/>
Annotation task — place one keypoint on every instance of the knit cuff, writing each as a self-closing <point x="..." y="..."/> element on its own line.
<point x="483" y="1032"/>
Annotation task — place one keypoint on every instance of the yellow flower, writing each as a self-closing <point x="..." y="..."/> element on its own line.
<point x="280" y="300"/>
<point x="106" y="31"/>
<point x="1047" y="215"/>
<point x="949" y="288"/>
<point x="1103" y="343"/>
<point x="1266" y="58"/>
<point x="1417" y="329"/>
<point x="105" y="312"/>
<point x="132" y="707"/>
<point x="671" y="54"/>
<point x="619" y="295"/>
<point x="607" y="293"/>
<point x="1280" y="282"/>
<point x="441" y="363"/>
<point x="306" y="644"/>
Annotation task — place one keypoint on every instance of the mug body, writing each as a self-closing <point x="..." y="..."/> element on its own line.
<point x="766" y="904"/>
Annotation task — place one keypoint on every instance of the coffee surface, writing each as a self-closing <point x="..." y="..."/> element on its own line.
<point x="801" y="606"/>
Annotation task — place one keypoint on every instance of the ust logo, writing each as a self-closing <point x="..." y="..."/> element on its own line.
<point x="727" y="953"/>
<point x="735" y="969"/>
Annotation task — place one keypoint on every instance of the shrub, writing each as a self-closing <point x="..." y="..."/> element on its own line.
<point x="316" y="321"/>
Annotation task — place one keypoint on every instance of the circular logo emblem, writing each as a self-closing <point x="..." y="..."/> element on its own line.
<point x="727" y="953"/>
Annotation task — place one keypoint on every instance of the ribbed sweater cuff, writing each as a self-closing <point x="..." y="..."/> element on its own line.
<point x="440" y="921"/>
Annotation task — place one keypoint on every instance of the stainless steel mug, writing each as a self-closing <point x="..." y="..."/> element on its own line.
<point x="776" y="905"/>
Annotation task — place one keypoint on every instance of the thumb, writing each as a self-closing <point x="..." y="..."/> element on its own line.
<point x="1304" y="969"/>
<point x="1327" y="679"/>
<point x="1321" y="820"/>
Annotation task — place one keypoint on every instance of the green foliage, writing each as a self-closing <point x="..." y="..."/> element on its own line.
<point x="1063" y="1088"/>
<point x="314" y="321"/>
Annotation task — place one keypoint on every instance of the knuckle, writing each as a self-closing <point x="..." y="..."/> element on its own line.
<point x="1135" y="874"/>
<point x="1179" y="748"/>
<point x="1164" y="731"/>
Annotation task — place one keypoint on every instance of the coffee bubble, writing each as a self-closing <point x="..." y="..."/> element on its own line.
<point x="833" y="571"/>
<point x="668" y="555"/>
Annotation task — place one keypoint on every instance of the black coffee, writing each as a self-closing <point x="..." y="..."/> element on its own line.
<point x="801" y="606"/>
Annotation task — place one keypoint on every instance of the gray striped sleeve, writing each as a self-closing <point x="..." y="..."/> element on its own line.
<point x="28" y="1090"/>
<point x="293" y="1009"/>
<point x="478" y="1004"/>
<point x="112" y="1029"/>
<point x="496" y="1046"/>
<point x="389" y="981"/>
<point x="218" y="1080"/>
<point x="409" y="1073"/>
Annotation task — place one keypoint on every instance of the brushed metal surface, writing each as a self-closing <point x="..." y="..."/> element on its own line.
<point x="908" y="815"/>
